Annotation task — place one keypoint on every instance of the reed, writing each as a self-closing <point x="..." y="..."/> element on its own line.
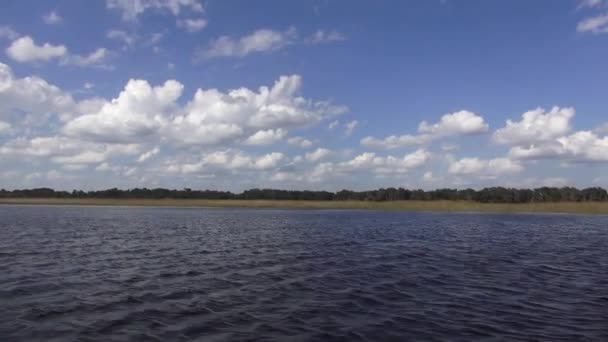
<point x="439" y="206"/>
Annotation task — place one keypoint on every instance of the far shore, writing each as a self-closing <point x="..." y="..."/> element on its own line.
<point x="437" y="206"/>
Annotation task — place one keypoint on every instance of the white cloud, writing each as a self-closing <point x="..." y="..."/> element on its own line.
<point x="262" y="40"/>
<point x="135" y="115"/>
<point x="318" y="154"/>
<point x="458" y="123"/>
<point x="299" y="142"/>
<point x="32" y="98"/>
<point x="557" y="182"/>
<point x="37" y="178"/>
<point x="213" y="116"/>
<point x="266" y="137"/>
<point x="597" y="24"/>
<point x="4" y="127"/>
<point x="105" y="166"/>
<point x="52" y="18"/>
<point x="535" y="152"/>
<point x="131" y="9"/>
<point x="536" y="126"/>
<point x="88" y="85"/>
<point x="602" y="129"/>
<point x="228" y="160"/>
<point x="386" y="165"/>
<point x="128" y="39"/>
<point x="350" y="127"/>
<point x="394" y="141"/>
<point x="585" y="146"/>
<point x="333" y="124"/>
<point x="8" y="32"/>
<point x="192" y="25"/>
<point x="25" y="50"/>
<point x="95" y="58"/>
<point x="547" y="135"/>
<point x="64" y="150"/>
<point x="590" y="3"/>
<point x="449" y="147"/>
<point x="321" y="37"/>
<point x="453" y="124"/>
<point x="147" y="155"/>
<point x="74" y="167"/>
<point x="155" y="38"/>
<point x="485" y="168"/>
<point x="142" y="112"/>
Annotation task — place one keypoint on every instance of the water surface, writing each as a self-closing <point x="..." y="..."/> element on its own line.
<point x="129" y="274"/>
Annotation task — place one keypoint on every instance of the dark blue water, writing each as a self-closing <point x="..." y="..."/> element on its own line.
<point x="145" y="274"/>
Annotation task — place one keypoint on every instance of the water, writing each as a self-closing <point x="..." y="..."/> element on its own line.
<point x="129" y="274"/>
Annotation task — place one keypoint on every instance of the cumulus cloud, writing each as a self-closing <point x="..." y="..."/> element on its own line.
<point x="149" y="154"/>
<point x="131" y="9"/>
<point x="428" y="176"/>
<point x="322" y="36"/>
<point x="453" y="124"/>
<point x="4" y="127"/>
<point x="95" y="58"/>
<point x="547" y="135"/>
<point x="585" y="146"/>
<point x="299" y="142"/>
<point x="484" y="167"/>
<point x="394" y="141"/>
<point x="25" y="50"/>
<point x="262" y="40"/>
<point x="350" y="127"/>
<point x="143" y="112"/>
<point x="266" y="137"/>
<point x="590" y="3"/>
<point x="597" y="24"/>
<point x="228" y="160"/>
<point x="192" y="25"/>
<point x="52" y="18"/>
<point x="198" y="137"/>
<point x="602" y="129"/>
<point x="386" y="164"/>
<point x="536" y="126"/>
<point x="214" y="116"/>
<point x="318" y="154"/>
<point x="458" y="123"/>
<point x="8" y="32"/>
<point x="535" y="152"/>
<point x="65" y="150"/>
<point x="31" y="100"/>
<point x="135" y="115"/>
<point x="128" y="39"/>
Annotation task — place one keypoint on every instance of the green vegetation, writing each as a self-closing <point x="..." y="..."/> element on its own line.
<point x="439" y="205"/>
<point x="487" y="195"/>
<point x="557" y="200"/>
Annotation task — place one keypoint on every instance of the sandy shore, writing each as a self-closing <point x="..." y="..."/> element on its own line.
<point x="440" y="206"/>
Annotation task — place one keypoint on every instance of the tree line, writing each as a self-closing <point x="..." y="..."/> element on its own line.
<point x="486" y="195"/>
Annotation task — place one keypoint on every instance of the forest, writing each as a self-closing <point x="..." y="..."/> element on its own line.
<point x="486" y="195"/>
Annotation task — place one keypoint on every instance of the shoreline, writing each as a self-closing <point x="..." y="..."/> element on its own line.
<point x="598" y="208"/>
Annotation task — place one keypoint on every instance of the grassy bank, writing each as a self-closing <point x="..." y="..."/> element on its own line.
<point x="440" y="206"/>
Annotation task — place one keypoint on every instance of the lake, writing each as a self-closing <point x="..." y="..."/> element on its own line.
<point x="170" y="274"/>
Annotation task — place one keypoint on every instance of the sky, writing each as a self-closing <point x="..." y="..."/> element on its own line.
<point x="317" y="94"/>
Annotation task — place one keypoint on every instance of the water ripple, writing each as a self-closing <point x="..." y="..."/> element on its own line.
<point x="151" y="274"/>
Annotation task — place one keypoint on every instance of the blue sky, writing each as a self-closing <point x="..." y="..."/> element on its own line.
<point x="303" y="95"/>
